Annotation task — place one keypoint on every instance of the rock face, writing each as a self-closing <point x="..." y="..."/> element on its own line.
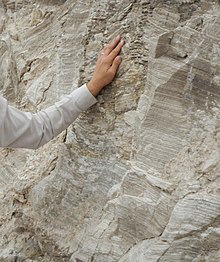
<point x="136" y="177"/>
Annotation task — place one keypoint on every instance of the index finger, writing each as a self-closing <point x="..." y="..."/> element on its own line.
<point x="112" y="45"/>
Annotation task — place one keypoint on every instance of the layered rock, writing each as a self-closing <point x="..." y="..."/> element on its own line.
<point x="136" y="177"/>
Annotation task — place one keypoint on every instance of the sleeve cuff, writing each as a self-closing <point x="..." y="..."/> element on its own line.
<point x="83" y="97"/>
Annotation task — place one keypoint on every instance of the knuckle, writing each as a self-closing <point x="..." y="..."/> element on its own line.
<point x="108" y="49"/>
<point x="105" y="47"/>
<point x="104" y="60"/>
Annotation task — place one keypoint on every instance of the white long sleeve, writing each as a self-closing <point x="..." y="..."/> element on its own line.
<point x="27" y="130"/>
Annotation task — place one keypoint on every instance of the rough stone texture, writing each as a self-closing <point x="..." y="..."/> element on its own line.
<point x="136" y="177"/>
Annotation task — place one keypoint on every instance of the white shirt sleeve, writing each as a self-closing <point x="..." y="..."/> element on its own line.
<point x="27" y="130"/>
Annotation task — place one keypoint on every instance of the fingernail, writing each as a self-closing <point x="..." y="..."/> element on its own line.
<point x="117" y="37"/>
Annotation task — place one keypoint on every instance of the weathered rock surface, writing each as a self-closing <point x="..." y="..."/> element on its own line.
<point x="136" y="177"/>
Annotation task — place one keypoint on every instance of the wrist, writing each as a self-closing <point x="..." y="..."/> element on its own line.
<point x="94" y="89"/>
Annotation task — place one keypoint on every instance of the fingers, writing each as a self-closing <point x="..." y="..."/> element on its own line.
<point x="110" y="52"/>
<point x="106" y="66"/>
<point x="108" y="48"/>
<point x="115" y="51"/>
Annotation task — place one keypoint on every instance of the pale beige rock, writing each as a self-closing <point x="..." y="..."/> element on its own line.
<point x="136" y="177"/>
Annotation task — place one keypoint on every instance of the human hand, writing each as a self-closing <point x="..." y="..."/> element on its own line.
<point x="106" y="66"/>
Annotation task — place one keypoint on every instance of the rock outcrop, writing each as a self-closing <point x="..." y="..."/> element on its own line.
<point x="136" y="177"/>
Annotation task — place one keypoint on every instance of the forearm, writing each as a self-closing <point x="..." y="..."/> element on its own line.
<point x="26" y="130"/>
